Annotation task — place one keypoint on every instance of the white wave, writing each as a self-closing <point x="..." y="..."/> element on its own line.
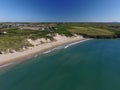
<point x="47" y="52"/>
<point x="6" y="65"/>
<point x="35" y="56"/>
<point x="64" y="46"/>
<point x="75" y="43"/>
<point x="57" y="48"/>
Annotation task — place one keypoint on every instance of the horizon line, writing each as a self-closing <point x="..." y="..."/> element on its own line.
<point x="57" y="22"/>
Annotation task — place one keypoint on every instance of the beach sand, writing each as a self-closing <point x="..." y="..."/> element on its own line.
<point x="38" y="48"/>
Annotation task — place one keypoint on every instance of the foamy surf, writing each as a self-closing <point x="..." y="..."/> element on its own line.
<point x="6" y="65"/>
<point x="75" y="43"/>
<point x="57" y="48"/>
<point x="64" y="46"/>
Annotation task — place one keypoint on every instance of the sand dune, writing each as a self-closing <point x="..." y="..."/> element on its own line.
<point x="39" y="46"/>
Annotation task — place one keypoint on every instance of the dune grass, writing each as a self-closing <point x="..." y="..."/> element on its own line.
<point x="17" y="39"/>
<point x="13" y="42"/>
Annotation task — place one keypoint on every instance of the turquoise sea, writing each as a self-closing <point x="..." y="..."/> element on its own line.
<point x="90" y="65"/>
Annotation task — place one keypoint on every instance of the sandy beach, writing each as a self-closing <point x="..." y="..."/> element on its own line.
<point x="38" y="48"/>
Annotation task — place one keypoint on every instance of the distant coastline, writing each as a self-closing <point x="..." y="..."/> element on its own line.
<point x="31" y="52"/>
<point x="18" y="41"/>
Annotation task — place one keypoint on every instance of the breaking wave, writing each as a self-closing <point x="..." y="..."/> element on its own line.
<point x="64" y="46"/>
<point x="75" y="43"/>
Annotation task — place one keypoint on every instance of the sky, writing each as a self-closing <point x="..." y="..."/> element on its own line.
<point x="59" y="10"/>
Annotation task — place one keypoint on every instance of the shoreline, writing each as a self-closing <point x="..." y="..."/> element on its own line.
<point x="18" y="57"/>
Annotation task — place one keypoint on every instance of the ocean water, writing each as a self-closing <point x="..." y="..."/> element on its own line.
<point x="90" y="65"/>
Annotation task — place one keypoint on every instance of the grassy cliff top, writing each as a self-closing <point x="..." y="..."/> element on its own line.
<point x="94" y="30"/>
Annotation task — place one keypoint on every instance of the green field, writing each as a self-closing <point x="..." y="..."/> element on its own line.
<point x="92" y="32"/>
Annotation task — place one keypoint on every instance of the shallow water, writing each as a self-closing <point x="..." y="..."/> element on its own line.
<point x="91" y="65"/>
